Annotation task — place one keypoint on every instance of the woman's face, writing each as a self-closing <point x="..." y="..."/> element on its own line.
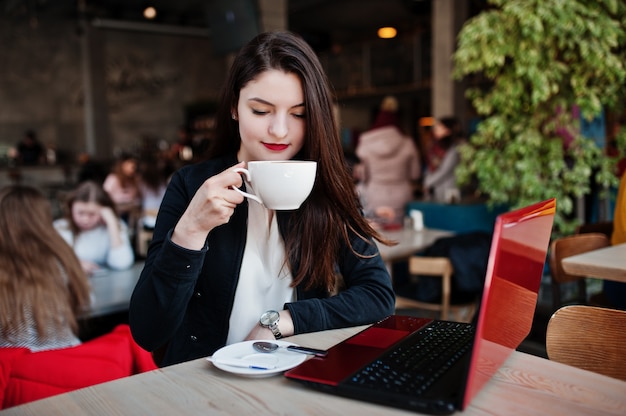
<point x="86" y="215"/>
<point x="271" y="117"/>
<point x="129" y="167"/>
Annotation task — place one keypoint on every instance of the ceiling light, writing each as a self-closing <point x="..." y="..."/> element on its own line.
<point x="387" y="32"/>
<point x="149" y="13"/>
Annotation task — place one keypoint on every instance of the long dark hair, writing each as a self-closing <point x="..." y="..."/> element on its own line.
<point x="315" y="231"/>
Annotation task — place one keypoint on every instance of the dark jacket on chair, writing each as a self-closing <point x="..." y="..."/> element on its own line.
<point x="469" y="254"/>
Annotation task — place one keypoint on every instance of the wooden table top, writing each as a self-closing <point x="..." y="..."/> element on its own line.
<point x="524" y="385"/>
<point x="607" y="263"/>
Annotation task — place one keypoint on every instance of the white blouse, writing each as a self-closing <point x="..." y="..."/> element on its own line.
<point x="264" y="277"/>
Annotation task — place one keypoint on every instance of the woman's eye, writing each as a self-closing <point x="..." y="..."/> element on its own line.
<point x="259" y="112"/>
<point x="298" y="115"/>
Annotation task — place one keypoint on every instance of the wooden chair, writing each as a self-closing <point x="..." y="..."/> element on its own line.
<point x="604" y="227"/>
<point x="588" y="337"/>
<point x="142" y="241"/>
<point x="437" y="266"/>
<point x="569" y="246"/>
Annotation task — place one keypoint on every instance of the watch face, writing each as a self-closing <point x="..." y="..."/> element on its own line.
<point x="269" y="318"/>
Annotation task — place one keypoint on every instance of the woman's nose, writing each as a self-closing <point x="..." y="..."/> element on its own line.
<point x="278" y="126"/>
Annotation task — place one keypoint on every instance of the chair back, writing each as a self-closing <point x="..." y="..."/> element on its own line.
<point x="588" y="337"/>
<point x="604" y="227"/>
<point x="569" y="246"/>
<point x="441" y="267"/>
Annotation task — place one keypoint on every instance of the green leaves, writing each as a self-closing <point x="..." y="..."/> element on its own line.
<point x="542" y="58"/>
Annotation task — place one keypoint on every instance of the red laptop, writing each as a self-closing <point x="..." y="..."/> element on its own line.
<point x="436" y="366"/>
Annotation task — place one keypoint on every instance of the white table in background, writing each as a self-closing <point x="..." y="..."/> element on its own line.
<point x="410" y="241"/>
<point x="607" y="263"/>
<point x="112" y="290"/>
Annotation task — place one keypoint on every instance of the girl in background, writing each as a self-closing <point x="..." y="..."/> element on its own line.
<point x="42" y="285"/>
<point x="442" y="160"/>
<point x="152" y="184"/>
<point x="94" y="229"/>
<point x="122" y="185"/>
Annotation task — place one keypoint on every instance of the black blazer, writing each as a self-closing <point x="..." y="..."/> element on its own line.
<point x="183" y="299"/>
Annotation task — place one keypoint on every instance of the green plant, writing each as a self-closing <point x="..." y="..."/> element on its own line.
<point x="540" y="58"/>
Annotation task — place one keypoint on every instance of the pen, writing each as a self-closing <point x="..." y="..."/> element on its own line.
<point x="307" y="350"/>
<point x="235" y="362"/>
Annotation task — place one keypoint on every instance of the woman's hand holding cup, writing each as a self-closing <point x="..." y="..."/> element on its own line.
<point x="212" y="205"/>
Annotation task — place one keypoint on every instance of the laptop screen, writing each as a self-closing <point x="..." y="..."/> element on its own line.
<point x="516" y="259"/>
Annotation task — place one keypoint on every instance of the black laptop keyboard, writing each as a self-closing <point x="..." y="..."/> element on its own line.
<point x="417" y="362"/>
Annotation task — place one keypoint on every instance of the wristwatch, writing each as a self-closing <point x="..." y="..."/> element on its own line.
<point x="270" y="319"/>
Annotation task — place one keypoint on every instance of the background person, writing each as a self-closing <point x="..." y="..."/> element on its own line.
<point x="122" y="185"/>
<point x="221" y="261"/>
<point x="42" y="285"/>
<point x="152" y="184"/>
<point x="389" y="164"/>
<point x="442" y="159"/>
<point x="30" y="151"/>
<point x="92" y="227"/>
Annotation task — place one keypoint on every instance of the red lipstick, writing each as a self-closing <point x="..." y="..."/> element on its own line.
<point x="277" y="147"/>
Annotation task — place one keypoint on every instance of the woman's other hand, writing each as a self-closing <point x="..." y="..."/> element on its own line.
<point x="108" y="216"/>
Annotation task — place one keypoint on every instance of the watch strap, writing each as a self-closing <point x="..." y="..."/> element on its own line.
<point x="276" y="331"/>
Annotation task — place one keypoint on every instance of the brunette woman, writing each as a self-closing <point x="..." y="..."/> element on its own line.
<point x="123" y="186"/>
<point x="222" y="269"/>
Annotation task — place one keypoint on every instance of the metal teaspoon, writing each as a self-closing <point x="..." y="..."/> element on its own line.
<point x="268" y="347"/>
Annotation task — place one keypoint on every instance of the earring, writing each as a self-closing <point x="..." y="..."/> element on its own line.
<point x="233" y="116"/>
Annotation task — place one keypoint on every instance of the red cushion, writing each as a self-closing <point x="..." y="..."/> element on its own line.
<point x="27" y="376"/>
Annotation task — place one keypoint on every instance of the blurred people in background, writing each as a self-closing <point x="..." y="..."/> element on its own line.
<point x="93" y="228"/>
<point x="29" y="150"/>
<point x="42" y="285"/>
<point x="153" y="182"/>
<point x="442" y="158"/>
<point x="182" y="151"/>
<point x="90" y="169"/>
<point x="388" y="167"/>
<point x="122" y="185"/>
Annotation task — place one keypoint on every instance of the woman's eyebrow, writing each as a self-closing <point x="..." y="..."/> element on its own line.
<point x="262" y="101"/>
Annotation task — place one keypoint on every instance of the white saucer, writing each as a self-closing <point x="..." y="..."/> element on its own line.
<point x="281" y="359"/>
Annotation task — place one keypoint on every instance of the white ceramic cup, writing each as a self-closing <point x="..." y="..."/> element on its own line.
<point x="279" y="184"/>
